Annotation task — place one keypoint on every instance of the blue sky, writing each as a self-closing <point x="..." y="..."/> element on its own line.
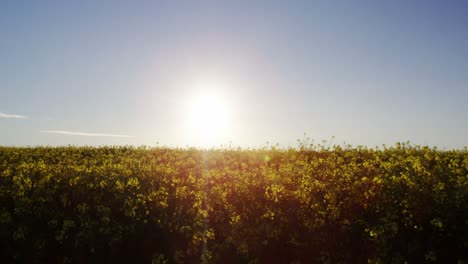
<point x="126" y="72"/>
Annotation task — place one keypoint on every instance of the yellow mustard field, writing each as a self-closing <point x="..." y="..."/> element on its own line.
<point x="164" y="205"/>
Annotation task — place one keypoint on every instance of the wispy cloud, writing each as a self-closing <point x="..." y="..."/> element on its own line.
<point x="12" y="116"/>
<point x="83" y="134"/>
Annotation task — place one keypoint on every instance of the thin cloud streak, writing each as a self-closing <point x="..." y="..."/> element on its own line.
<point x="84" y="134"/>
<point x="12" y="116"/>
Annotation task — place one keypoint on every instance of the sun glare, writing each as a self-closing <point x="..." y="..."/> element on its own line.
<point x="209" y="118"/>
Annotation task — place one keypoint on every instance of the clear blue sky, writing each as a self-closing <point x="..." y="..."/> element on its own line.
<point x="365" y="72"/>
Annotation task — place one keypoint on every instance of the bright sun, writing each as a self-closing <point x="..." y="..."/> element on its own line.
<point x="209" y="118"/>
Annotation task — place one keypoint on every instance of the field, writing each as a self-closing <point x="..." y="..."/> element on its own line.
<point x="160" y="205"/>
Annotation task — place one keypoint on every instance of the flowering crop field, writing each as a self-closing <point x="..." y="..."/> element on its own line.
<point x="164" y="205"/>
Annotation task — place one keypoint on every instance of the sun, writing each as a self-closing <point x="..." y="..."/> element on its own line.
<point x="209" y="118"/>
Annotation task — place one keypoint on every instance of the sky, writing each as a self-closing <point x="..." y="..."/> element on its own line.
<point x="270" y="72"/>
